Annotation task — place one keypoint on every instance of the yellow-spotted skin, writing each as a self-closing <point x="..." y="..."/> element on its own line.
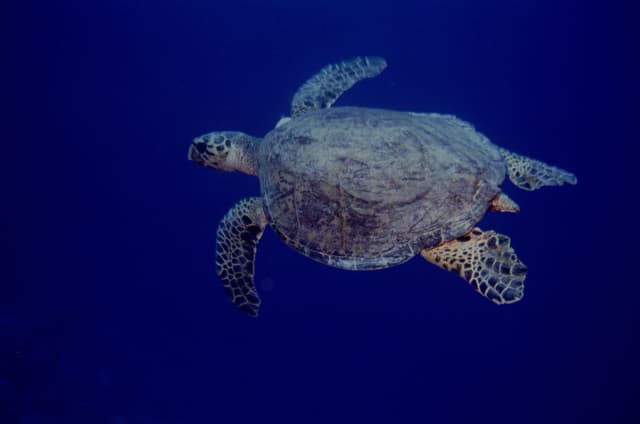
<point x="225" y="151"/>
<point x="486" y="260"/>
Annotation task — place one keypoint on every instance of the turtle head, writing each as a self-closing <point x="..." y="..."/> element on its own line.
<point x="226" y="151"/>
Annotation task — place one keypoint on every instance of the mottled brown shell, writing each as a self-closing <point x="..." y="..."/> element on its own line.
<point x="361" y="188"/>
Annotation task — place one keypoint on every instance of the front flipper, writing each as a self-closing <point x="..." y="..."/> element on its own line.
<point x="324" y="88"/>
<point x="486" y="260"/>
<point x="530" y="174"/>
<point x="237" y="237"/>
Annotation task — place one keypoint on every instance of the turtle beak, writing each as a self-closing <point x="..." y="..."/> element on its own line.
<point x="196" y="150"/>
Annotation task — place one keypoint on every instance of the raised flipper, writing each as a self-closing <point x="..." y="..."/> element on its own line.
<point x="486" y="260"/>
<point x="237" y="237"/>
<point x="530" y="174"/>
<point x="324" y="88"/>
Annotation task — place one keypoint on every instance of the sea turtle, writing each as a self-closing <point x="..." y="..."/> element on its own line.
<point x="362" y="189"/>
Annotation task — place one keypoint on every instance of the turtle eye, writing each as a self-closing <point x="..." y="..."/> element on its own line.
<point x="201" y="146"/>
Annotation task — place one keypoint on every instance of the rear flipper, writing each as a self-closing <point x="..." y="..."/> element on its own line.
<point x="486" y="260"/>
<point x="530" y="174"/>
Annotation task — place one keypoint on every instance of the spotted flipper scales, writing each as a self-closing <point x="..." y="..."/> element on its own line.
<point x="486" y="260"/>
<point x="237" y="238"/>
<point x="530" y="174"/>
<point x="324" y="88"/>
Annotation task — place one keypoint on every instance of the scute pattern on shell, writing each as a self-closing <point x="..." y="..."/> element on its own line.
<point x="360" y="188"/>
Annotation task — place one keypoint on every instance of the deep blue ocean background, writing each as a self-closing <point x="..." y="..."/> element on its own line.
<point x="110" y="310"/>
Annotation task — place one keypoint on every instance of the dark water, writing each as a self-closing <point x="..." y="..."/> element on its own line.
<point x="110" y="309"/>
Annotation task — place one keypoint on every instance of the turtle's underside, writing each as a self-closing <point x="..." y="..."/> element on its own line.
<point x="360" y="188"/>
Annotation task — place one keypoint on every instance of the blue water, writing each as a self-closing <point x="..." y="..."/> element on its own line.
<point x="110" y="311"/>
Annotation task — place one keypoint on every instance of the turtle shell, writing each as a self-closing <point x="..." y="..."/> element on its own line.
<point x="360" y="188"/>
